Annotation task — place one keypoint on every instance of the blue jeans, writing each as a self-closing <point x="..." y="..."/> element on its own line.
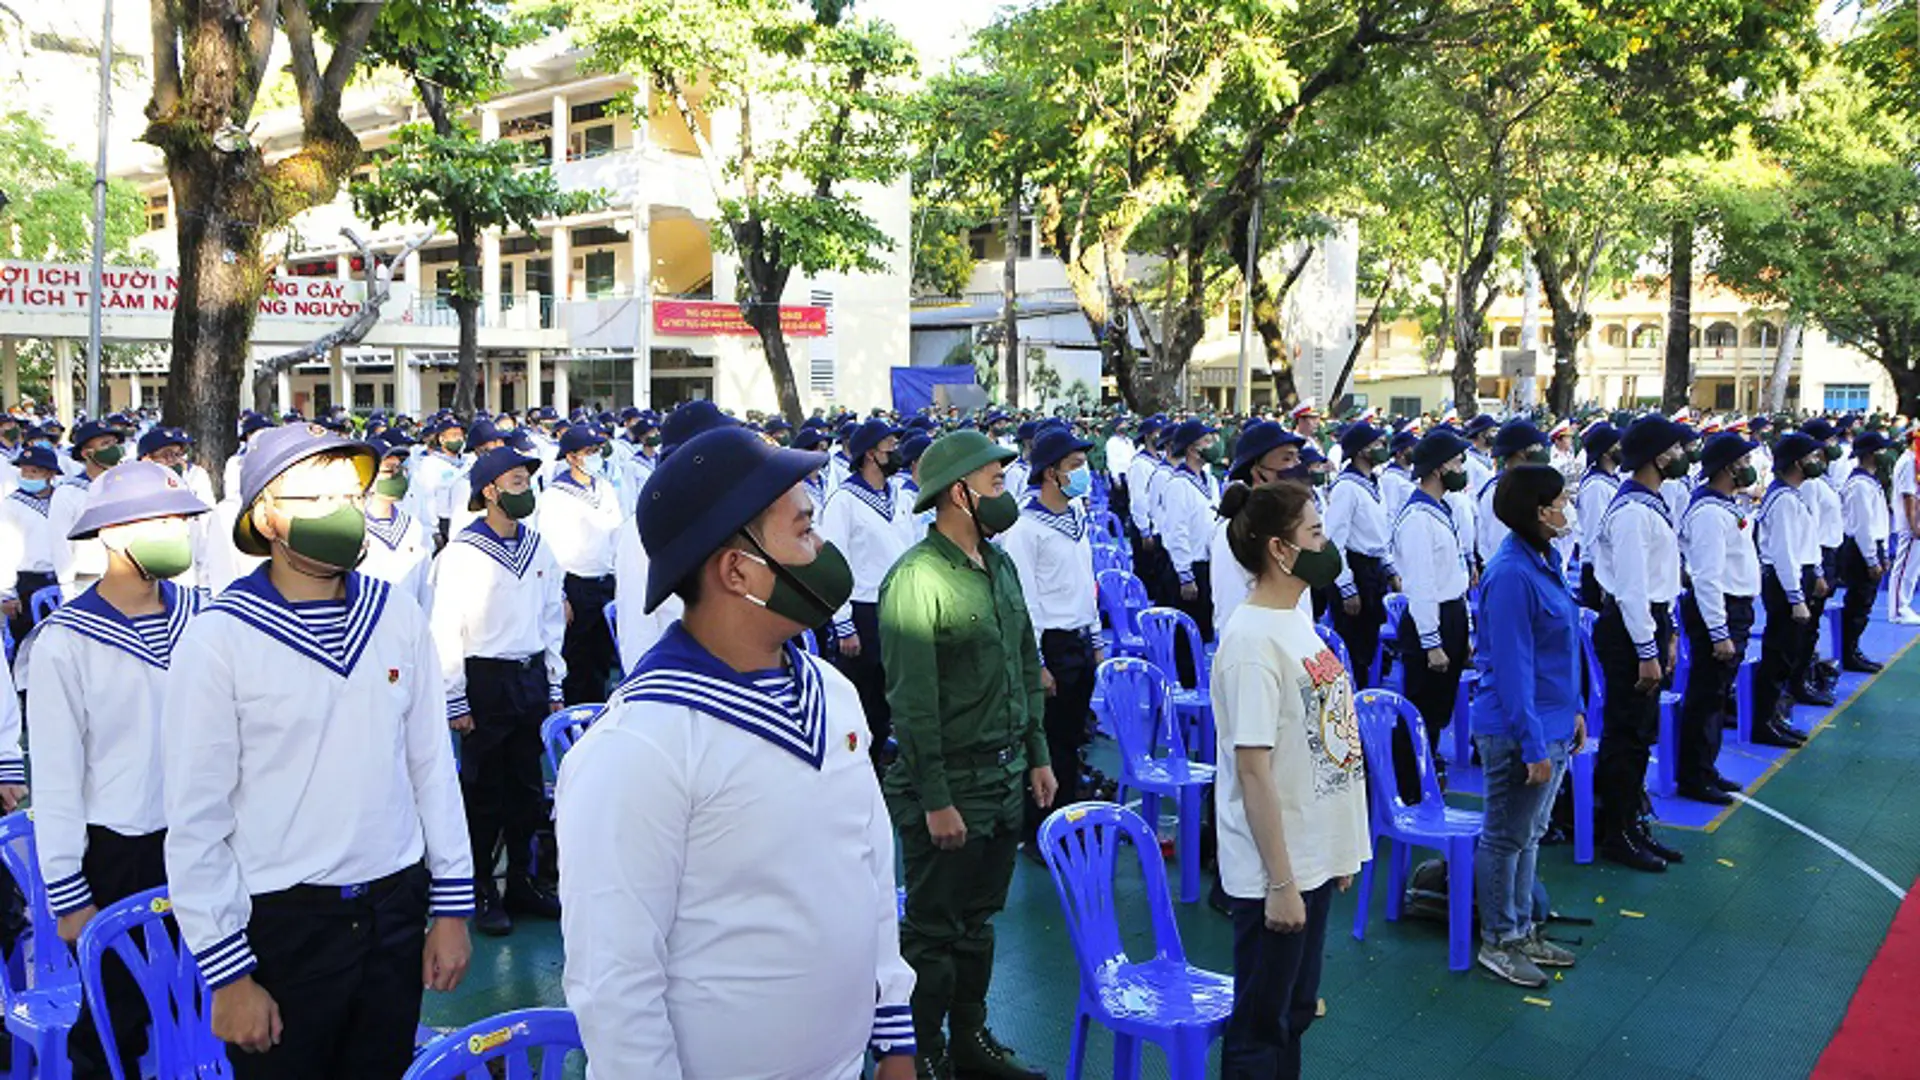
<point x="1517" y="817"/>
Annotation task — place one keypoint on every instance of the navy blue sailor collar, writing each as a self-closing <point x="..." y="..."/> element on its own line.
<point x="590" y="491"/>
<point x="880" y="502"/>
<point x="680" y="671"/>
<point x="494" y="546"/>
<point x="1070" y="524"/>
<point x="389" y="530"/>
<point x="90" y="616"/>
<point x="254" y="601"/>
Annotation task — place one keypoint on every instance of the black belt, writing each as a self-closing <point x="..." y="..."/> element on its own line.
<point x="525" y="663"/>
<point x="597" y="580"/>
<point x="338" y="893"/>
<point x="1003" y="756"/>
<point x="1082" y="635"/>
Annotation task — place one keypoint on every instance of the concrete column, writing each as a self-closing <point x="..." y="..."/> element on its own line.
<point x="489" y="124"/>
<point x="63" y="380"/>
<point x="9" y="372"/>
<point x="406" y="388"/>
<point x="561" y="394"/>
<point x="533" y="379"/>
<point x="343" y="267"/>
<point x="337" y="374"/>
<point x="413" y="276"/>
<point x="283" y="392"/>
<point x="562" y="240"/>
<point x="133" y="388"/>
<point x="562" y="116"/>
<point x="490" y="278"/>
<point x="493" y="384"/>
<point x="643" y="294"/>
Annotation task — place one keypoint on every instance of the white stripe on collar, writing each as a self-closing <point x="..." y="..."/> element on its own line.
<point x="90" y="616"/>
<point x="390" y="531"/>
<point x="516" y="560"/>
<point x="1072" y="524"/>
<point x="39" y="506"/>
<point x="747" y="708"/>
<point x="880" y="502"/>
<point x="254" y="601"/>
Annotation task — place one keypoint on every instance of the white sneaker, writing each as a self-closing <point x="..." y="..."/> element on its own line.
<point x="1906" y="618"/>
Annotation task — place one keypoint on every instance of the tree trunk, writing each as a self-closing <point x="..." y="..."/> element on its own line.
<point x="1009" y="292"/>
<point x="1569" y="326"/>
<point x="1783" y="367"/>
<point x="1468" y="336"/>
<point x="466" y="301"/>
<point x="1906" y="380"/>
<point x="1679" y="367"/>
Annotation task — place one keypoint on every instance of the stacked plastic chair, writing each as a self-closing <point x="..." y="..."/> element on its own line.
<point x="508" y="1043"/>
<point x="42" y="982"/>
<point x="139" y="931"/>
<point x="1165" y="1000"/>
<point x="1164" y="628"/>
<point x="1122" y="598"/>
<point x="560" y="731"/>
<point x="1427" y="823"/>
<point x="1137" y="705"/>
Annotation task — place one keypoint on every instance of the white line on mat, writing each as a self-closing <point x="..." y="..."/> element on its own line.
<point x="1858" y="863"/>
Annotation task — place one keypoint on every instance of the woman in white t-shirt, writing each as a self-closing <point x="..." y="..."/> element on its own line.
<point x="1290" y="799"/>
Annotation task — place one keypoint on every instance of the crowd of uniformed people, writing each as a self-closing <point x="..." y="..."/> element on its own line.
<point x="821" y="645"/>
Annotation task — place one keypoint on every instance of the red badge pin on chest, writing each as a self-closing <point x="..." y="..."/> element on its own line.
<point x="853" y="741"/>
<point x="393" y="674"/>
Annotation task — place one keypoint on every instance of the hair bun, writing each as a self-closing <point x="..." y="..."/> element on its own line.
<point x="1234" y="498"/>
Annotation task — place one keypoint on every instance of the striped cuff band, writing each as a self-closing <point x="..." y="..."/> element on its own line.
<point x="893" y="1030"/>
<point x="13" y="772"/>
<point x="1349" y="589"/>
<point x="1646" y="651"/>
<point x="1719" y="633"/>
<point x="228" y="959"/>
<point x="843" y="629"/>
<point x="451" y="898"/>
<point x="457" y="706"/>
<point x="69" y="894"/>
<point x="554" y="694"/>
<point x="1430" y="641"/>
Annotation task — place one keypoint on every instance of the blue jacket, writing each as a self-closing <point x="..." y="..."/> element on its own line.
<point x="1529" y="651"/>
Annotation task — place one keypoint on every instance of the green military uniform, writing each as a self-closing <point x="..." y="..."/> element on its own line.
<point x="963" y="680"/>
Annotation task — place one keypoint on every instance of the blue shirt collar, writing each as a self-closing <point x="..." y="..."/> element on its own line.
<point x="679" y="670"/>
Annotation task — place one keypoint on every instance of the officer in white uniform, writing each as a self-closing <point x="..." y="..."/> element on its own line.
<point x="1790" y="558"/>
<point x="398" y="551"/>
<point x="1863" y="554"/>
<point x="726" y="861"/>
<point x="313" y="815"/>
<point x="1358" y="523"/>
<point x="1432" y="635"/>
<point x="580" y="515"/>
<point x="1187" y="502"/>
<point x="1601" y="483"/>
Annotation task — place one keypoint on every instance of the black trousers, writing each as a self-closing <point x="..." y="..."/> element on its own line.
<point x="1709" y="695"/>
<point x="1817" y="608"/>
<point x="1782" y="645"/>
<point x="116" y="867"/>
<point x="1590" y="594"/>
<point x="501" y="781"/>
<point x="1201" y="608"/>
<point x="25" y="584"/>
<point x="1362" y="632"/>
<point x="1631" y="720"/>
<point x="1069" y="659"/>
<point x="1276" y="989"/>
<point x="588" y="646"/>
<point x="345" y="972"/>
<point x="1862" y="589"/>
<point x="868" y="677"/>
<point x="1432" y="692"/>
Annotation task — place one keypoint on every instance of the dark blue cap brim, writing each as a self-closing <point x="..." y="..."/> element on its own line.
<point x="742" y="500"/>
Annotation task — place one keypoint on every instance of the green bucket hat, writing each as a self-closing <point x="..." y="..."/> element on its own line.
<point x="951" y="458"/>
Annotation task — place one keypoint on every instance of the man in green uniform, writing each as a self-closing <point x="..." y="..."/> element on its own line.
<point x="963" y="679"/>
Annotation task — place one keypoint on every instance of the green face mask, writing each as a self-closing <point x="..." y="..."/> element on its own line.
<point x="1215" y="453"/>
<point x="807" y="594"/>
<point x="1379" y="455"/>
<point x="1536" y="456"/>
<point x="1675" y="468"/>
<point x="454" y="446"/>
<point x="1454" y="479"/>
<point x="1833" y="451"/>
<point x="994" y="514"/>
<point x="1318" y="568"/>
<point x="1745" y="476"/>
<point x="517" y="504"/>
<point x="108" y="456"/>
<point x="392" y="487"/>
<point x="337" y="539"/>
<point x="162" y="556"/>
<point x="1814" y="468"/>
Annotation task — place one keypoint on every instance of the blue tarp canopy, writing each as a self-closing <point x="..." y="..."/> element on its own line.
<point x="913" y="386"/>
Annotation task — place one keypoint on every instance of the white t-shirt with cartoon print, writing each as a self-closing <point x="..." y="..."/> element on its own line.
<point x="1276" y="684"/>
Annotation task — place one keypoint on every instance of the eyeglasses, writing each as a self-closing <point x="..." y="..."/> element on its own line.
<point x="357" y="500"/>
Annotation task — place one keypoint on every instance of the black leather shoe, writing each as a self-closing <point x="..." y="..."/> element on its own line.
<point x="1775" y="735"/>
<point x="1712" y="795"/>
<point x="526" y="897"/>
<point x="491" y="919"/>
<point x="1808" y="693"/>
<point x="1857" y="661"/>
<point x="1620" y="848"/>
<point x="1727" y="785"/>
<point x="1646" y="841"/>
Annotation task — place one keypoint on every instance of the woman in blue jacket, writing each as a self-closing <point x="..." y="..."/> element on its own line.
<point x="1526" y="716"/>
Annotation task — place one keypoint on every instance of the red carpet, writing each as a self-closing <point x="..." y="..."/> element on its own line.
<point x="1879" y="1039"/>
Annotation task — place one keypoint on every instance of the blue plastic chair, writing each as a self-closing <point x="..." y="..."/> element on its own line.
<point x="1138" y="705"/>
<point x="1396" y="607"/>
<point x="1163" y="628"/>
<point x="510" y="1039"/>
<point x="610" y="613"/>
<point x="43" y="982"/>
<point x="179" y="1011"/>
<point x="1165" y="1000"/>
<point x="1110" y="557"/>
<point x="1109" y="523"/>
<point x="1333" y="641"/>
<point x="1122" y="598"/>
<point x="1428" y="823"/>
<point x="44" y="603"/>
<point x="560" y="731"/>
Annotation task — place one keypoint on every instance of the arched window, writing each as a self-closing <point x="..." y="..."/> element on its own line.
<point x="1615" y="336"/>
<point x="1646" y="336"/>
<point x="1763" y="335"/>
<point x="1723" y="335"/>
<point x="1509" y="337"/>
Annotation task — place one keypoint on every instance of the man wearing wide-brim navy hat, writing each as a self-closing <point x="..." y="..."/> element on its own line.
<point x="734" y="766"/>
<point x="1601" y="482"/>
<point x="1359" y="523"/>
<point x="1431" y="552"/>
<point x="1517" y="442"/>
<point x="34" y="519"/>
<point x="582" y="510"/>
<point x="499" y="621"/>
<point x="1264" y="452"/>
<point x="97" y="447"/>
<point x="963" y="680"/>
<point x="1863" y="554"/>
<point x="1829" y="526"/>
<point x="308" y="779"/>
<point x="1636" y="560"/>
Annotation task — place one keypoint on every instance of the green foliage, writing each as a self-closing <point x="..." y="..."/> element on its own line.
<point x="942" y="260"/>
<point x="50" y="193"/>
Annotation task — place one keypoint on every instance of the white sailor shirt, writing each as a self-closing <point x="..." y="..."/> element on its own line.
<point x="1596" y="493"/>
<point x="872" y="529"/>
<point x="1228" y="582"/>
<point x="578" y="522"/>
<point x="1120" y="454"/>
<point x="1357" y="521"/>
<point x="1637" y="561"/>
<point x="727" y="876"/>
<point x="1139" y="482"/>
<point x="1396" y="487"/>
<point x="1433" y="566"/>
<point x="1466" y="524"/>
<point x="1721" y="561"/>
<point x="1016" y="476"/>
<point x="436" y="474"/>
<point x="1157" y="481"/>
<point x="304" y="744"/>
<point x="399" y="553"/>
<point x="99" y="678"/>
<point x="1187" y="502"/>
<point x="1867" y="518"/>
<point x="220" y="562"/>
<point x="1053" y="555"/>
<point x="1788" y="542"/>
<point x="498" y="598"/>
<point x="1480" y="468"/>
<point x="636" y="631"/>
<point x="1829" y="523"/>
<point x="27" y="539"/>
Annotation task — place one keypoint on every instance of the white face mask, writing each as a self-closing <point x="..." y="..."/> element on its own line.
<point x="1560" y="531"/>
